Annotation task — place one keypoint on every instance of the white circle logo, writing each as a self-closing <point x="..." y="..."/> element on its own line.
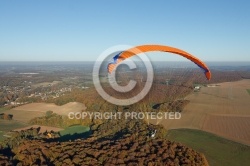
<point x="112" y="76"/>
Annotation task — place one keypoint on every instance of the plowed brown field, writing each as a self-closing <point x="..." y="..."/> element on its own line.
<point x="29" y="111"/>
<point x="223" y="110"/>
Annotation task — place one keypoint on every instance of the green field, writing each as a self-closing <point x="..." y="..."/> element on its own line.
<point x="1" y="136"/>
<point x="218" y="151"/>
<point x="78" y="129"/>
<point x="8" y="125"/>
<point x="74" y="132"/>
<point x="3" y="109"/>
<point x="248" y="90"/>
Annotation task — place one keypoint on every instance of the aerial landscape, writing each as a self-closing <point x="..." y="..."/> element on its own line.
<point x="89" y="83"/>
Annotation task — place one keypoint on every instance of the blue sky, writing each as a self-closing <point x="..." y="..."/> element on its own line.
<point x="81" y="30"/>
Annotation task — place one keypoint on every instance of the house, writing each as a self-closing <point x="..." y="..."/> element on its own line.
<point x="197" y="88"/>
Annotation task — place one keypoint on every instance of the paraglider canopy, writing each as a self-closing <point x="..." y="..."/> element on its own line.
<point x="147" y="48"/>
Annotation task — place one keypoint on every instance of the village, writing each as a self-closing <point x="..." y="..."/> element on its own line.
<point x="29" y="92"/>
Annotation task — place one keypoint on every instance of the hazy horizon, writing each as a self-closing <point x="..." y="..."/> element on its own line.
<point x="210" y="64"/>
